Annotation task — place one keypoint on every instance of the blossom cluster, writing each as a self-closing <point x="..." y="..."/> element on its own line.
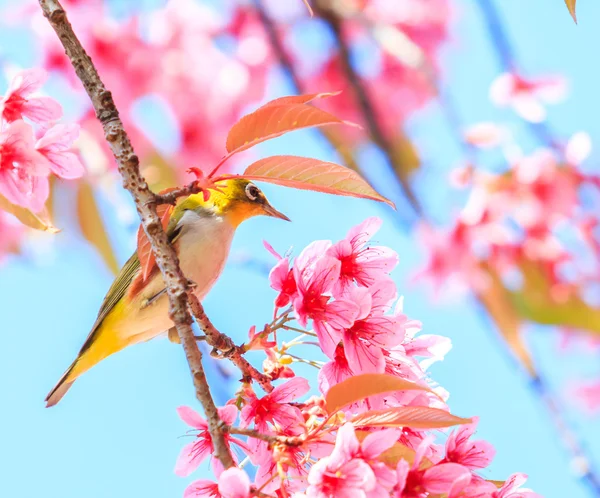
<point x="219" y="60"/>
<point x="28" y="156"/>
<point x="307" y="448"/>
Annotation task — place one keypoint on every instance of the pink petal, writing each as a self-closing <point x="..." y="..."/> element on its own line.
<point x="234" y="483"/>
<point x="346" y="446"/>
<point x="362" y="233"/>
<point x="290" y="390"/>
<point x="28" y="81"/>
<point x="446" y="477"/>
<point x="42" y="109"/>
<point x="228" y="414"/>
<point x="59" y="137"/>
<point x="201" y="488"/>
<point x="191" y="418"/>
<point x="311" y="253"/>
<point x="269" y="248"/>
<point x="502" y="89"/>
<point x="288" y="416"/>
<point x="341" y="313"/>
<point x="190" y="457"/>
<point x="552" y="89"/>
<point x="40" y="190"/>
<point x="65" y="165"/>
<point x="402" y="470"/>
<point x="378" y="442"/>
<point x="362" y="357"/>
<point x="529" y="108"/>
<point x="328" y="337"/>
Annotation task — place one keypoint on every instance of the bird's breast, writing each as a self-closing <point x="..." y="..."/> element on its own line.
<point x="204" y="245"/>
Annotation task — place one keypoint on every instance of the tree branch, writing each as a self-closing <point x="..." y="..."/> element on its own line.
<point x="326" y="12"/>
<point x="224" y="343"/>
<point x="145" y="202"/>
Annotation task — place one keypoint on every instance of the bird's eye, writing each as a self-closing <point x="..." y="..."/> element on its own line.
<point x="252" y="192"/>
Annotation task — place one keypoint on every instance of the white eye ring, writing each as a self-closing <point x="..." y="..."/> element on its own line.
<point x="252" y="191"/>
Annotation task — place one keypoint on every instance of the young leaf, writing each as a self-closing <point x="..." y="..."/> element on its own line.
<point x="299" y="99"/>
<point x="365" y="385"/>
<point x="312" y="174"/>
<point x="273" y="120"/>
<point x="496" y="299"/>
<point x="92" y="226"/>
<point x="39" y="221"/>
<point x="415" y="417"/>
<point x="571" y="7"/>
<point x="144" y="248"/>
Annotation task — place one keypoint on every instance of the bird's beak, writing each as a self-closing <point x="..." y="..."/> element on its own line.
<point x="271" y="211"/>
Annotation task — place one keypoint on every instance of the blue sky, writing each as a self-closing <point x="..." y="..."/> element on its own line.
<point x="117" y="434"/>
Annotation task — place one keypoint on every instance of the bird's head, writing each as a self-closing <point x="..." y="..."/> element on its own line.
<point x="236" y="200"/>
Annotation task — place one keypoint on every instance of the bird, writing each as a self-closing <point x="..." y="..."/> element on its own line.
<point x="136" y="310"/>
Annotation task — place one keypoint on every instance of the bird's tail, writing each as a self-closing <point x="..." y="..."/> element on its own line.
<point x="101" y="344"/>
<point x="61" y="387"/>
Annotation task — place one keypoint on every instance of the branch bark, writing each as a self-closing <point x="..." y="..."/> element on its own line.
<point x="145" y="202"/>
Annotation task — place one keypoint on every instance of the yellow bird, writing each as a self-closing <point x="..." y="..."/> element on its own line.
<point x="201" y="233"/>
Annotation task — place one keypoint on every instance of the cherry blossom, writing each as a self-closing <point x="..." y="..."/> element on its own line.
<point x="18" y="102"/>
<point x="528" y="96"/>
<point x="192" y="454"/>
<point x="273" y="407"/>
<point x="56" y="146"/>
<point x="23" y="170"/>
<point x="298" y="448"/>
<point x="365" y="265"/>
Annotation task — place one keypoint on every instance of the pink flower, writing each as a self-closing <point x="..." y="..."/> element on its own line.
<point x="353" y="479"/>
<point x="334" y="371"/>
<point x="194" y="453"/>
<point x="56" y="145"/>
<point x="361" y="264"/>
<point x="527" y="97"/>
<point x="347" y="448"/>
<point x="23" y="170"/>
<point x="510" y="489"/>
<point x="282" y="279"/>
<point x="233" y="483"/>
<point x="202" y="488"/>
<point x="471" y="454"/>
<point x="15" y="105"/>
<point x="315" y="279"/>
<point x="274" y="407"/>
<point x="372" y="331"/>
<point x="444" y="478"/>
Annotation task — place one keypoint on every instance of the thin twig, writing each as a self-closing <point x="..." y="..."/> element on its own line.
<point x="145" y="202"/>
<point x="288" y="441"/>
<point x="331" y="18"/>
<point x="224" y="346"/>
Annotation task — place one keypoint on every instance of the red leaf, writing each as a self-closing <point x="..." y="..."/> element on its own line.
<point x="276" y="118"/>
<point x="365" y="385"/>
<point x="312" y="174"/>
<point x="144" y="248"/>
<point x="415" y="417"/>
<point x="299" y="99"/>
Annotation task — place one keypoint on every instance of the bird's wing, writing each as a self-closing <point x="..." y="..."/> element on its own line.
<point x="120" y="286"/>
